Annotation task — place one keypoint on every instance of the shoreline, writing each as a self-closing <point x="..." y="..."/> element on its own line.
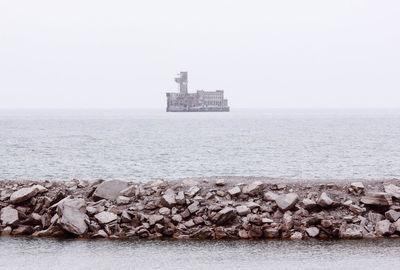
<point x="202" y="208"/>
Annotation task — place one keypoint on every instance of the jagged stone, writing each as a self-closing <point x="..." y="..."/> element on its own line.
<point x="392" y="215"/>
<point x="393" y="190"/>
<point x="253" y="188"/>
<point x="194" y="207"/>
<point x="377" y="199"/>
<point x="224" y="216"/>
<point x="242" y="210"/>
<point x="153" y="219"/>
<point x="165" y="211"/>
<point x="193" y="191"/>
<point x="234" y="191"/>
<point x="23" y="230"/>
<point x="287" y="201"/>
<point x="312" y="231"/>
<point x="357" y="209"/>
<point x="180" y="198"/>
<point x="109" y="190"/>
<point x="352" y="231"/>
<point x="121" y="200"/>
<point x="105" y="217"/>
<point x="168" y="199"/>
<point x="296" y="236"/>
<point x="128" y="192"/>
<point x="270" y="196"/>
<point x="220" y="182"/>
<point x="26" y="193"/>
<point x="382" y="227"/>
<point x="9" y="216"/>
<point x="324" y="200"/>
<point x="72" y="216"/>
<point x="308" y="203"/>
<point x="358" y="187"/>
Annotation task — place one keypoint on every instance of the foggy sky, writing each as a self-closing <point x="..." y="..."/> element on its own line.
<point x="264" y="54"/>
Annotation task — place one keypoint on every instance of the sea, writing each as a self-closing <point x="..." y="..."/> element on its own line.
<point x="143" y="145"/>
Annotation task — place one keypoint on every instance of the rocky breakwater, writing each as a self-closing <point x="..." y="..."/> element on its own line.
<point x="201" y="209"/>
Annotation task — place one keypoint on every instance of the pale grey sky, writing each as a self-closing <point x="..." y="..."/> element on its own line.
<point x="264" y="54"/>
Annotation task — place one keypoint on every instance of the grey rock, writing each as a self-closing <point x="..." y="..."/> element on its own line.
<point x="224" y="216"/>
<point x="168" y="199"/>
<point x="392" y="215"/>
<point x="253" y="188"/>
<point x="9" y="216"/>
<point x="308" y="203"/>
<point x="180" y="198"/>
<point x="110" y="190"/>
<point x="128" y="192"/>
<point x="121" y="200"/>
<point x="393" y="190"/>
<point x="220" y="182"/>
<point x="312" y="231"/>
<point x="296" y="236"/>
<point x="324" y="200"/>
<point x="194" y="207"/>
<point x="72" y="216"/>
<point x="165" y="211"/>
<point x="242" y="210"/>
<point x="287" y="201"/>
<point x="193" y="191"/>
<point x="26" y="193"/>
<point x="270" y="196"/>
<point x="177" y="218"/>
<point x="358" y="187"/>
<point x="153" y="219"/>
<point x="352" y="231"/>
<point x="125" y="217"/>
<point x="377" y="199"/>
<point x="357" y="209"/>
<point x="382" y="227"/>
<point x="105" y="217"/>
<point x="234" y="191"/>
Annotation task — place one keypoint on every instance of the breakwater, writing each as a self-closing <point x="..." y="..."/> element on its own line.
<point x="217" y="208"/>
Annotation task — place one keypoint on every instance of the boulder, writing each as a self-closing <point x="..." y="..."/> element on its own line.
<point x="392" y="215"/>
<point x="26" y="193"/>
<point x="324" y="200"/>
<point x="180" y="198"/>
<point x="72" y="216"/>
<point x="168" y="199"/>
<point x="224" y="216"/>
<point x="253" y="188"/>
<point x="165" y="211"/>
<point x="193" y="191"/>
<point x="110" y="190"/>
<point x="312" y="231"/>
<point x="296" y="236"/>
<point x="121" y="200"/>
<point x="105" y="217"/>
<point x="308" y="203"/>
<point x="393" y="190"/>
<point x="128" y="192"/>
<point x="242" y="210"/>
<point x="153" y="219"/>
<point x="382" y="227"/>
<point x="357" y="209"/>
<point x="234" y="191"/>
<point x="377" y="199"/>
<point x="194" y="207"/>
<point x="220" y="182"/>
<point x="270" y="196"/>
<point x="9" y="216"/>
<point x="352" y="231"/>
<point x="287" y="201"/>
<point x="358" y="187"/>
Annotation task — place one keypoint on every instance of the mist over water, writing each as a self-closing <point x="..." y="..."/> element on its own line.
<point x="143" y="145"/>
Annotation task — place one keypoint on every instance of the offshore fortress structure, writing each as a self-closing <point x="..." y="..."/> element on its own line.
<point x="201" y="101"/>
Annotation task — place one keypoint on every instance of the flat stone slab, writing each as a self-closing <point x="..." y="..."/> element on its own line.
<point x="105" y="217"/>
<point x="26" y="193"/>
<point x="377" y="199"/>
<point x="8" y="216"/>
<point x="110" y="190"/>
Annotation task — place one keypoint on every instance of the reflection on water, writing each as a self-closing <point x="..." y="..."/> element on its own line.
<point x="31" y="253"/>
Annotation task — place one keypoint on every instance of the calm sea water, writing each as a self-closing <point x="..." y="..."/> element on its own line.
<point x="144" y="145"/>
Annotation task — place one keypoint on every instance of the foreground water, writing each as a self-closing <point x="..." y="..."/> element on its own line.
<point x="20" y="253"/>
<point x="143" y="145"/>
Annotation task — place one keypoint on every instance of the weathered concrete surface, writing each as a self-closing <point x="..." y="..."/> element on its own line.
<point x="201" y="209"/>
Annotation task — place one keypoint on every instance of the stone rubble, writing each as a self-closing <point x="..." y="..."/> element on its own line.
<point x="205" y="209"/>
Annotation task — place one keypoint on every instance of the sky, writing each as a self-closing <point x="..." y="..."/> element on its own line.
<point x="264" y="54"/>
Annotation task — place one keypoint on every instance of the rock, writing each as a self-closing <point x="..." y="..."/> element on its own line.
<point x="8" y="216"/>
<point x="392" y="215"/>
<point x="165" y="211"/>
<point x="382" y="227"/>
<point x="125" y="217"/>
<point x="377" y="199"/>
<point x="23" y="230"/>
<point x="397" y="225"/>
<point x="358" y="187"/>
<point x="193" y="191"/>
<point x="271" y="233"/>
<point x="308" y="203"/>
<point x="153" y="219"/>
<point x="270" y="196"/>
<point x="324" y="200"/>
<point x="312" y="231"/>
<point x="253" y="188"/>
<point x="168" y="199"/>
<point x="357" y="209"/>
<point x="266" y="220"/>
<point x="224" y="216"/>
<point x="6" y="231"/>
<point x="234" y="191"/>
<point x="105" y="217"/>
<point x="220" y="182"/>
<point x="242" y="210"/>
<point x="287" y="201"/>
<point x="121" y="200"/>
<point x="100" y="234"/>
<point x="180" y="198"/>
<point x="109" y="190"/>
<point x="326" y="223"/>
<point x="252" y="205"/>
<point x="374" y="217"/>
<point x="72" y="216"/>
<point x="189" y="223"/>
<point x="194" y="207"/>
<point x="393" y="190"/>
<point x="26" y="193"/>
<point x="352" y="231"/>
<point x="296" y="236"/>
<point x="177" y="218"/>
<point x="128" y="192"/>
